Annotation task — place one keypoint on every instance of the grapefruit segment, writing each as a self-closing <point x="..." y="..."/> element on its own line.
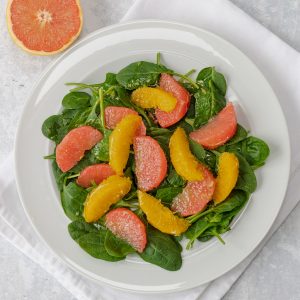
<point x="94" y="174"/>
<point x="127" y="226"/>
<point x="44" y="27"/>
<point x="195" y="195"/>
<point x="218" y="130"/>
<point x="108" y="192"/>
<point x="71" y="149"/>
<point x="184" y="162"/>
<point x="170" y="85"/>
<point x="161" y="217"/>
<point x="150" y="163"/>
<point x="114" y="115"/>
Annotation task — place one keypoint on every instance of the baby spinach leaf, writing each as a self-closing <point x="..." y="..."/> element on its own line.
<point x="79" y="228"/>
<point x="59" y="175"/>
<point x="93" y="244"/>
<point x="210" y="74"/>
<point x="246" y="180"/>
<point x="255" y="150"/>
<point x="76" y="100"/>
<point x="101" y="150"/>
<point x="209" y="102"/>
<point x="115" y="246"/>
<point x="197" y="150"/>
<point x="162" y="250"/>
<point x="72" y="199"/>
<point x="241" y="134"/>
<point x="174" y="179"/>
<point x="88" y="159"/>
<point x="138" y="74"/>
<point x="167" y="194"/>
<point x="51" y="127"/>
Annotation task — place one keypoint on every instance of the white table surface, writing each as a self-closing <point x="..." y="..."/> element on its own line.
<point x="274" y="274"/>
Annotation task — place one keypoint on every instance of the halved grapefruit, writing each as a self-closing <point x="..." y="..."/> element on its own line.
<point x="44" y="27"/>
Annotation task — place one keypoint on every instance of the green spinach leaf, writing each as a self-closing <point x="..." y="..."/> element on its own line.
<point x="101" y="150"/>
<point x="167" y="194"/>
<point x="162" y="250"/>
<point x="76" y="100"/>
<point x="79" y="228"/>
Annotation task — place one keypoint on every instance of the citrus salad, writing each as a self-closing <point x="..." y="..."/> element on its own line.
<point x="150" y="160"/>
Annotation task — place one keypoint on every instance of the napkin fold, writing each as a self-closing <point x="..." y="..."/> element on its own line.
<point x="279" y="63"/>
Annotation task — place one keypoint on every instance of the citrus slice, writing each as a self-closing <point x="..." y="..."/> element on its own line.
<point x="44" y="27"/>
<point x="110" y="191"/>
<point x="71" y="149"/>
<point x="161" y="217"/>
<point x="150" y="163"/>
<point x="184" y="162"/>
<point x="195" y="195"/>
<point x="170" y="85"/>
<point x="228" y="172"/>
<point x="114" y="115"/>
<point x="94" y="174"/>
<point x="218" y="130"/>
<point x="127" y="226"/>
<point x="148" y="97"/>
<point x="120" y="140"/>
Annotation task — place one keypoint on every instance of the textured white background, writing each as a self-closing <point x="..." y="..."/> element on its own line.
<point x="274" y="274"/>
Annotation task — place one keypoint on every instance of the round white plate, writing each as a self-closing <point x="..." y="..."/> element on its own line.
<point x="183" y="48"/>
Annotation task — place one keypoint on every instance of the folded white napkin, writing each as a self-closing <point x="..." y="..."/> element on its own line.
<point x="281" y="66"/>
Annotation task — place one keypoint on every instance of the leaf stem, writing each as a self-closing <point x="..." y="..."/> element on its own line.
<point x="158" y="58"/>
<point x="190" y="72"/>
<point x="186" y="78"/>
<point x="101" y="103"/>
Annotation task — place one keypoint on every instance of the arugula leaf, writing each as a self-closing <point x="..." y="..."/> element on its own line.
<point x="162" y="250"/>
<point x="72" y="200"/>
<point x="93" y="244"/>
<point x="115" y="246"/>
<point x="138" y="74"/>
<point x="76" y="100"/>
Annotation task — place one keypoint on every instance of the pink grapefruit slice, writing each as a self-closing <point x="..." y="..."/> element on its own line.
<point x="44" y="27"/>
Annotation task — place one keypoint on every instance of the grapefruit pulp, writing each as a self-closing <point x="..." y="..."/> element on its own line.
<point x="44" y="27"/>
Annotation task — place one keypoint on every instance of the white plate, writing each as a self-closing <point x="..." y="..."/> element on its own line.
<point x="183" y="48"/>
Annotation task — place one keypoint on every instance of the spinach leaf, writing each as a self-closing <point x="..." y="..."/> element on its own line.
<point x="141" y="73"/>
<point x="101" y="150"/>
<point x="51" y="126"/>
<point x="88" y="159"/>
<point x="197" y="150"/>
<point x="208" y="75"/>
<point x="93" y="244"/>
<point x="76" y="100"/>
<point x="79" y="228"/>
<point x="241" y="134"/>
<point x="72" y="199"/>
<point x="59" y="175"/>
<point x="167" y="194"/>
<point x="115" y="246"/>
<point x="246" y="180"/>
<point x="162" y="250"/>
<point x="209" y="102"/>
<point x="174" y="179"/>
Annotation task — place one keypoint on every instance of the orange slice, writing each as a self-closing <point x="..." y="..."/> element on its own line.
<point x="228" y="172"/>
<point x="184" y="162"/>
<point x="110" y="191"/>
<point x="148" y="97"/>
<point x="44" y="27"/>
<point x="160" y="216"/>
<point x="120" y="140"/>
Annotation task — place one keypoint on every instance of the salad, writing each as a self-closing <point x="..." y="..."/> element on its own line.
<point x="150" y="160"/>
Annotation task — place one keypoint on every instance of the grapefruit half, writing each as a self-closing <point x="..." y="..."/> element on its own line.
<point x="44" y="27"/>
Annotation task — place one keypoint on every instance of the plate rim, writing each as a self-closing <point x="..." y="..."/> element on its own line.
<point x="60" y="58"/>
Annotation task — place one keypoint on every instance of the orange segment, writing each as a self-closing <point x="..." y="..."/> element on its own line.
<point x="228" y="172"/>
<point x="184" y="162"/>
<point x="44" y="27"/>
<point x="120" y="140"/>
<point x="110" y="191"/>
<point x="160" y="216"/>
<point x="147" y="97"/>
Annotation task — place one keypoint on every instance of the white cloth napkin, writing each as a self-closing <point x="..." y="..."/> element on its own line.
<point x="279" y="63"/>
